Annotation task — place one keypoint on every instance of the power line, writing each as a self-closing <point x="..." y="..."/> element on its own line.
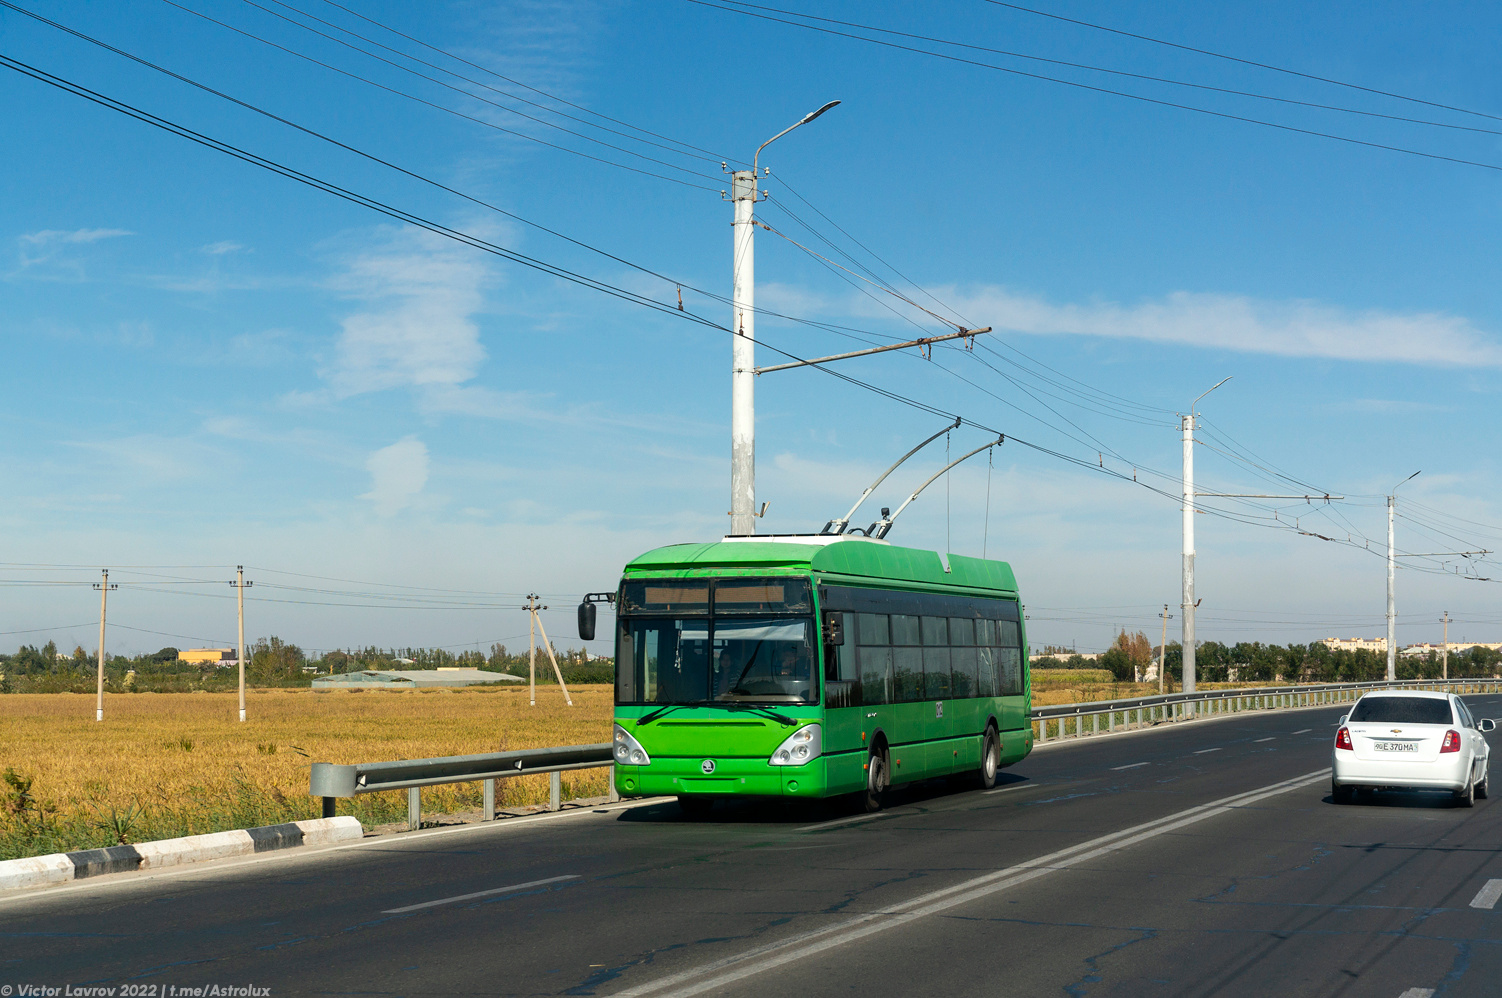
<point x="1246" y="62"/>
<point x="449" y="110"/>
<point x="1086" y="86"/>
<point x="702" y="154"/>
<point x="466" y="93"/>
<point x="544" y="93"/>
<point x="552" y="270"/>
<point x="1124" y="73"/>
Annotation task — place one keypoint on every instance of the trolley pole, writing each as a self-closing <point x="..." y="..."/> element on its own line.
<point x="104" y="588"/>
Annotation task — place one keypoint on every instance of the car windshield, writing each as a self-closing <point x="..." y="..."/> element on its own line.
<point x="692" y="660"/>
<point x="1405" y="710"/>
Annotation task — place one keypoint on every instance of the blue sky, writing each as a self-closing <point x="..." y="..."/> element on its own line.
<point x="207" y="364"/>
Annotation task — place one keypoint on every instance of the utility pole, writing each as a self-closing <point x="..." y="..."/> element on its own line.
<point x="240" y="585"/>
<point x="1186" y="608"/>
<point x="104" y="588"/>
<point x="1392" y="604"/>
<point x="534" y="626"/>
<point x="1163" y="647"/>
<point x="1444" y="651"/>
<point x="744" y="195"/>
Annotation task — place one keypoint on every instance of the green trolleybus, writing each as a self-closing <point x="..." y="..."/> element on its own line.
<point x="810" y="666"/>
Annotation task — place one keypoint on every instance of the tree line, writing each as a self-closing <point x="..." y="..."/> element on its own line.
<point x="270" y="662"/>
<point x="1254" y="662"/>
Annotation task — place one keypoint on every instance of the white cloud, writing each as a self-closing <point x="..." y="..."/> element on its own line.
<point x="221" y="248"/>
<point x="420" y="293"/>
<point x="1295" y="328"/>
<point x="52" y="237"/>
<point x="43" y="255"/>
<point x="397" y="474"/>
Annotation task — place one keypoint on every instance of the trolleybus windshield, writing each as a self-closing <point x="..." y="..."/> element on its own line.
<point x="753" y="642"/>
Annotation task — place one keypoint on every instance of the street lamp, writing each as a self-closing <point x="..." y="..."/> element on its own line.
<point x="743" y="344"/>
<point x="1186" y="619"/>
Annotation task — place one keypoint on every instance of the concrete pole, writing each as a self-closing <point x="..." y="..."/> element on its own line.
<point x="104" y="592"/>
<point x="1188" y="569"/>
<point x="548" y="647"/>
<point x="1392" y="611"/>
<point x="743" y="357"/>
<point x="240" y="595"/>
<point x="532" y="646"/>
<point x="1163" y="650"/>
<point x="1444" y="651"/>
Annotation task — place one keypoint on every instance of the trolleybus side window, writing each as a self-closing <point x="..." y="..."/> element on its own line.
<point x="907" y="659"/>
<point x="987" y="682"/>
<point x="1009" y="657"/>
<point x="873" y="634"/>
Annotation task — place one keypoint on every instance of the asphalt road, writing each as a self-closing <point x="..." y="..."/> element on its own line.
<point x="1203" y="859"/>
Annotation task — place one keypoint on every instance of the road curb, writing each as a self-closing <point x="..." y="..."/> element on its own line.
<point x="57" y="868"/>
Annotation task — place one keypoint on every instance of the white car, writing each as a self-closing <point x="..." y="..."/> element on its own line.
<point x="1411" y="739"/>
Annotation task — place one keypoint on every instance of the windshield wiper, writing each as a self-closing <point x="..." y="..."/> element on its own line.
<point x="767" y="711"/>
<point x="651" y="716"/>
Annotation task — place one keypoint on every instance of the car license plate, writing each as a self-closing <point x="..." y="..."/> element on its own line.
<point x="1395" y="746"/>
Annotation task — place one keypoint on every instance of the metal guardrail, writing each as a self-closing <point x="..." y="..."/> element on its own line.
<point x="332" y="781"/>
<point x="1168" y="707"/>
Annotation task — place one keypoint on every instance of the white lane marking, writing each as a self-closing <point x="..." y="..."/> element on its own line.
<point x="1304" y="731"/>
<point x="1269" y="738"/>
<point x="1204" y="750"/>
<point x="844" y="821"/>
<point x="1014" y="786"/>
<point x="1488" y="896"/>
<point x="1132" y="765"/>
<point x="479" y="894"/>
<point x="718" y="974"/>
<point x="1418" y="993"/>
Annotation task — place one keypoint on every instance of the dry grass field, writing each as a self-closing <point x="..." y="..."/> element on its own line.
<point x="168" y="764"/>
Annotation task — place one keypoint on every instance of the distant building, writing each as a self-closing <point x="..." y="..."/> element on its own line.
<point x="206" y="656"/>
<point x="1064" y="656"/>
<point x="1355" y="644"/>
<point x="1455" y="647"/>
<point x="410" y="679"/>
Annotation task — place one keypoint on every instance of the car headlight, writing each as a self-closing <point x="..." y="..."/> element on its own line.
<point x="802" y="745"/>
<point x="627" y="750"/>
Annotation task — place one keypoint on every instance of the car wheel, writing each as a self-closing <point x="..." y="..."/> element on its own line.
<point x="1466" y="797"/>
<point x="1340" y="794"/>
<point x="1484" y="787"/>
<point x="990" y="758"/>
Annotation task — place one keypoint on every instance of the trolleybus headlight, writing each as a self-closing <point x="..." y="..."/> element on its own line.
<point x="802" y="745"/>
<point x="627" y="750"/>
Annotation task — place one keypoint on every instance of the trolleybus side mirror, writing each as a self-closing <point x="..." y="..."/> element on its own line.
<point x="834" y="628"/>
<point x="586" y="621"/>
